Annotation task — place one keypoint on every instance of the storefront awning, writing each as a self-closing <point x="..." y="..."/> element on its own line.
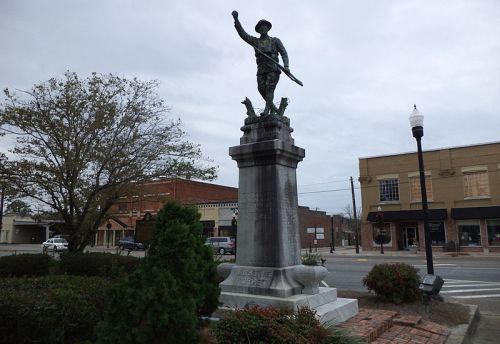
<point x="408" y="215"/>
<point x="476" y="213"/>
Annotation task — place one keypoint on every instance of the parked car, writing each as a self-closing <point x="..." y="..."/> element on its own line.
<point x="55" y="244"/>
<point x="221" y="245"/>
<point x="130" y="244"/>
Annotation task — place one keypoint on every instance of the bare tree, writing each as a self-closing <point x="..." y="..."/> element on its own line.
<point x="348" y="213"/>
<point x="81" y="143"/>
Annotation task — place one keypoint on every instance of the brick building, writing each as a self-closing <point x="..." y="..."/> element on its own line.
<point x="463" y="187"/>
<point x="316" y="228"/>
<point x="150" y="197"/>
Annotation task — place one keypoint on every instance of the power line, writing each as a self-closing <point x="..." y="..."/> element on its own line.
<point x="399" y="183"/>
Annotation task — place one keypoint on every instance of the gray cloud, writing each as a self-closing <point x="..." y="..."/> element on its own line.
<point x="364" y="64"/>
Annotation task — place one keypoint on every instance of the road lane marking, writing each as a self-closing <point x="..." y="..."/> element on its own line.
<point x="461" y="281"/>
<point x="435" y="265"/>
<point x="468" y="290"/>
<point x="470" y="285"/>
<point x="476" y="296"/>
<point x="361" y="260"/>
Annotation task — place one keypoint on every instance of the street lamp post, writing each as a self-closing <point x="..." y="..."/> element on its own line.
<point x="234" y="225"/>
<point x="381" y="230"/>
<point x="417" y="127"/>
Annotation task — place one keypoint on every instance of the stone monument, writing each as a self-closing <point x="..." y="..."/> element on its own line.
<point x="268" y="269"/>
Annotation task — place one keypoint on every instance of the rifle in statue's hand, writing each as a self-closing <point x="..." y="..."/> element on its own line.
<point x="285" y="70"/>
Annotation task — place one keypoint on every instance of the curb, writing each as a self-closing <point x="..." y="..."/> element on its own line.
<point x="461" y="334"/>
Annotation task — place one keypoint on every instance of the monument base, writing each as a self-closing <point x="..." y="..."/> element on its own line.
<point x="328" y="307"/>
<point x="255" y="280"/>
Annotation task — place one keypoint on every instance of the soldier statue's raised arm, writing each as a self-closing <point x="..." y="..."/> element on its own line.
<point x="266" y="53"/>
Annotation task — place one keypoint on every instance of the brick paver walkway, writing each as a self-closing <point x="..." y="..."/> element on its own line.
<point x="388" y="327"/>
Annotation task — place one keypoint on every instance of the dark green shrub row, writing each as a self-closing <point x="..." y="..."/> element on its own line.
<point x="80" y="264"/>
<point x="51" y="309"/>
<point x="97" y="264"/>
<point x="25" y="265"/>
<point x="278" y="326"/>
<point x="396" y="282"/>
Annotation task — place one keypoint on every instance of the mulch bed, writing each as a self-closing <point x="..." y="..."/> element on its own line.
<point x="441" y="312"/>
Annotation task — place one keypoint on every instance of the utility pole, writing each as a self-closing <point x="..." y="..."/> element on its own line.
<point x="332" y="244"/>
<point x="2" y="198"/>
<point x="355" y="216"/>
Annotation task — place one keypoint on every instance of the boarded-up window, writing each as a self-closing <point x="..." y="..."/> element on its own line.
<point x="476" y="184"/>
<point x="416" y="193"/>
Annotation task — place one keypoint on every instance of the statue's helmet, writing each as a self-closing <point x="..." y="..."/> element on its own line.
<point x="261" y="23"/>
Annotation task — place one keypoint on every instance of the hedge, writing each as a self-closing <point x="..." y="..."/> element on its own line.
<point x="97" y="264"/>
<point x="52" y="309"/>
<point x="25" y="265"/>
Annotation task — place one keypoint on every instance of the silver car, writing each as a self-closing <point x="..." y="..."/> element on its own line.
<point x="221" y="245"/>
<point x="55" y="244"/>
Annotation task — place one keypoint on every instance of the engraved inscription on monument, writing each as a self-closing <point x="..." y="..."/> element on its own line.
<point x="254" y="278"/>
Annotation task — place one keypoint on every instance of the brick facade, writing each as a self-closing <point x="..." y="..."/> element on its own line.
<point x="463" y="190"/>
<point x="150" y="198"/>
<point x="313" y="218"/>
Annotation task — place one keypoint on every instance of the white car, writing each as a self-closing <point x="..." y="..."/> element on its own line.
<point x="55" y="244"/>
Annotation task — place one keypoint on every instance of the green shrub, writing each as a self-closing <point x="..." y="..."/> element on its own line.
<point x="175" y="284"/>
<point x="25" y="265"/>
<point x="271" y="325"/>
<point x="97" y="264"/>
<point x="397" y="282"/>
<point x="51" y="309"/>
<point x="311" y="258"/>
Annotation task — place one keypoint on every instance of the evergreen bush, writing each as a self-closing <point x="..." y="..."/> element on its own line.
<point x="25" y="265"/>
<point x="396" y="282"/>
<point x="175" y="284"/>
<point x="51" y="309"/>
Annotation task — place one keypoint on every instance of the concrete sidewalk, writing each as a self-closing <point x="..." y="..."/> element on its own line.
<point x="351" y="251"/>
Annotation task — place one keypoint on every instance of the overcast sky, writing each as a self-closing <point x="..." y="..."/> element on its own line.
<point x="363" y="64"/>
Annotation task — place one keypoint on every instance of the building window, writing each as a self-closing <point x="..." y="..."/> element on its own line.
<point x="385" y="237"/>
<point x="493" y="232"/>
<point x="437" y="233"/>
<point x="122" y="206"/>
<point x="469" y="232"/>
<point x="388" y="190"/>
<point x="416" y="193"/>
<point x="476" y="184"/>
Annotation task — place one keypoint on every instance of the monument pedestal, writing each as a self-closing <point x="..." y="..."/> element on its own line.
<point x="268" y="241"/>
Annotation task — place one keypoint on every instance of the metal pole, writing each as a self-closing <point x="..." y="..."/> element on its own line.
<point x="332" y="247"/>
<point x="315" y="239"/>
<point x="234" y="224"/>
<point x="428" y="246"/>
<point x="381" y="231"/>
<point x="2" y="198"/>
<point x="355" y="216"/>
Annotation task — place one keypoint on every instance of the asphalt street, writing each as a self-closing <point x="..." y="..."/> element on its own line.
<point x="347" y="272"/>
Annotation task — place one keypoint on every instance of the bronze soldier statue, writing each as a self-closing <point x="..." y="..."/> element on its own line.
<point x="266" y="53"/>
